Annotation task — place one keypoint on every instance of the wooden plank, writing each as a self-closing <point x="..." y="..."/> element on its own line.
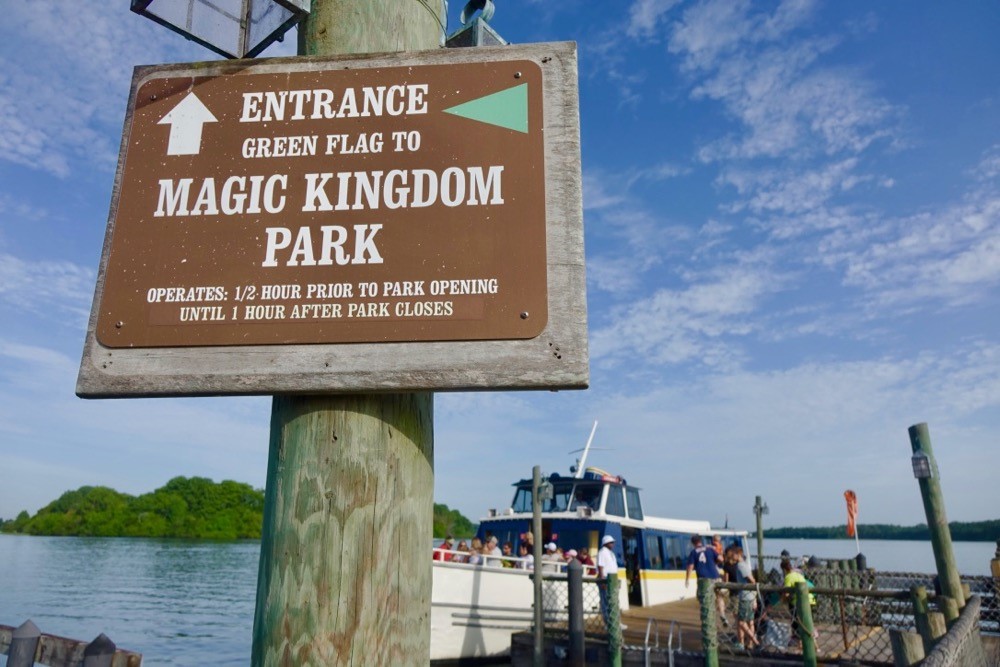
<point x="56" y="651"/>
<point x="558" y="358"/>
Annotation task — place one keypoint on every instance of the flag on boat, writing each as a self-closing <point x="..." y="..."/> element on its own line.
<point x="852" y="511"/>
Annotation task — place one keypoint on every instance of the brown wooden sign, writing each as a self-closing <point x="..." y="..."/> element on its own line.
<point x="308" y="202"/>
<point x="344" y="205"/>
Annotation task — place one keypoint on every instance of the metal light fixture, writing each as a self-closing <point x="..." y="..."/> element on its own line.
<point x="231" y="28"/>
<point x="921" y="465"/>
<point x="476" y="30"/>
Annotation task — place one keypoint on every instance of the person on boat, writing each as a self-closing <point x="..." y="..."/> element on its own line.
<point x="475" y="552"/>
<point x="527" y="561"/>
<point x="551" y="560"/>
<point x="462" y="555"/>
<point x="508" y="555"/>
<point x="568" y="557"/>
<point x="494" y="556"/>
<point x="588" y="563"/>
<point x="443" y="552"/>
<point x="607" y="566"/>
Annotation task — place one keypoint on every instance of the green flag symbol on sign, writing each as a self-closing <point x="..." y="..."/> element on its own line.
<point x="507" y="108"/>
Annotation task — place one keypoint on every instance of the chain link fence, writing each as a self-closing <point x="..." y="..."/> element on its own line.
<point x="985" y="587"/>
<point x="555" y="607"/>
<point x="853" y="613"/>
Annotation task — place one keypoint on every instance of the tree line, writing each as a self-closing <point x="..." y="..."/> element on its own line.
<point x="185" y="507"/>
<point x="961" y="531"/>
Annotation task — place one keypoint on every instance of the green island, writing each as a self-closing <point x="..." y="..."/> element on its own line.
<point x="185" y="507"/>
<point x="961" y="531"/>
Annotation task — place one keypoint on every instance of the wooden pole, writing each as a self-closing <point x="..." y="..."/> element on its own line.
<point x="995" y="562"/>
<point x="350" y="484"/>
<point x="538" y="650"/>
<point x="615" y="614"/>
<point x="937" y="520"/>
<point x="907" y="648"/>
<point x="803" y="609"/>
<point x="709" y="636"/>
<point x="758" y="509"/>
<point x="343" y="577"/>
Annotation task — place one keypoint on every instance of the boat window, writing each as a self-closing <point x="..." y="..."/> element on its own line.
<point x="561" y="494"/>
<point x="634" y="506"/>
<point x="676" y="556"/>
<point x="654" y="551"/>
<point x="616" y="501"/>
<point x="522" y="500"/>
<point x="586" y="495"/>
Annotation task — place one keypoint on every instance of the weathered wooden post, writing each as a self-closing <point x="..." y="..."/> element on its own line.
<point x="995" y="562"/>
<point x="348" y="504"/>
<point x="100" y="652"/>
<point x="538" y="650"/>
<point x="929" y="479"/>
<point x="949" y="608"/>
<point x="615" y="615"/>
<point x="350" y="482"/>
<point x="907" y="648"/>
<point x="803" y="610"/>
<point x="577" y="654"/>
<point x="709" y="636"/>
<point x="759" y="509"/>
<point x="930" y="625"/>
<point x="23" y="644"/>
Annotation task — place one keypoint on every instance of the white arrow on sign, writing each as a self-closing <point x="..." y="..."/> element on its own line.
<point x="185" y="121"/>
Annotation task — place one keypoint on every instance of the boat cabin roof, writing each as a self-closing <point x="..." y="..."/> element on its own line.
<point x="595" y="492"/>
<point x="598" y="495"/>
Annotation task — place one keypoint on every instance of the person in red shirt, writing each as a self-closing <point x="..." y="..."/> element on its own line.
<point x="446" y="554"/>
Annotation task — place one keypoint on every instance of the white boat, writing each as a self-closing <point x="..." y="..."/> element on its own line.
<point x="476" y="608"/>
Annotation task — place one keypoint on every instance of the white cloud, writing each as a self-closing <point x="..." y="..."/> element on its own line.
<point x="695" y="324"/>
<point x="953" y="255"/>
<point x="646" y="15"/>
<point x="50" y="288"/>
<point x="597" y="193"/>
<point x="811" y="430"/>
<point x="68" y="106"/>
<point x="787" y="104"/>
<point x="789" y="191"/>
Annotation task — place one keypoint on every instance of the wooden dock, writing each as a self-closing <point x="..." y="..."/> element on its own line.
<point x="684" y="613"/>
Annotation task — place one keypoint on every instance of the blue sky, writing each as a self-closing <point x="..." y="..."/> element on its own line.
<point x="792" y="219"/>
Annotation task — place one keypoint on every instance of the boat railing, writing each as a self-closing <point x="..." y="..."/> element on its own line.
<point x="455" y="557"/>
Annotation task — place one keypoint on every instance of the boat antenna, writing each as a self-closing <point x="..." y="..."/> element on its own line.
<point x="582" y="461"/>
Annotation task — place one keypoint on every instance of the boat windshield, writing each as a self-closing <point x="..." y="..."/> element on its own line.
<point x="587" y="495"/>
<point x="565" y="496"/>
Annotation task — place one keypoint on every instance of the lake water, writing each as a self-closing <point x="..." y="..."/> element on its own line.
<point x="191" y="603"/>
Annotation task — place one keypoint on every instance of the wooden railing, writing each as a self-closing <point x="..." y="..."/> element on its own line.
<point x="26" y="645"/>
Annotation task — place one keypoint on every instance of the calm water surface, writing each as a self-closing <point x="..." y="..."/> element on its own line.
<point x="191" y="603"/>
<point x="176" y="602"/>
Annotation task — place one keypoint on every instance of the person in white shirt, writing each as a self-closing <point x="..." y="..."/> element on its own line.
<point x="551" y="561"/>
<point x="607" y="566"/>
<point x="527" y="561"/>
<point x="493" y="553"/>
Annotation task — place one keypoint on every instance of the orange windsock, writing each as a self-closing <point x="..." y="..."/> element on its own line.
<point x="852" y="511"/>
